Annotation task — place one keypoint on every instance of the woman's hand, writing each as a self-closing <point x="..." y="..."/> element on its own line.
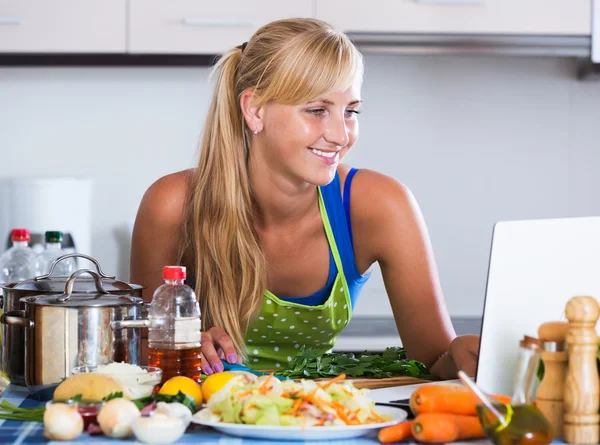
<point x="462" y="355"/>
<point x="216" y="345"/>
<point x="464" y="351"/>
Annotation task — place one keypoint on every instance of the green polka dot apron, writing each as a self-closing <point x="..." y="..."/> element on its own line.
<point x="282" y="327"/>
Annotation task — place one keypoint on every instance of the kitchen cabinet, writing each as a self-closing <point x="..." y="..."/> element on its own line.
<point x="202" y="27"/>
<point x="63" y="26"/>
<point x="515" y="17"/>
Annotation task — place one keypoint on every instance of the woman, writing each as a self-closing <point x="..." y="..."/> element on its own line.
<point x="277" y="235"/>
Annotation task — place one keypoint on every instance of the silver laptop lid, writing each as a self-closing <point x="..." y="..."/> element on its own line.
<point x="535" y="267"/>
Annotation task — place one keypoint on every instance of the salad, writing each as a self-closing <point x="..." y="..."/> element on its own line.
<point x="307" y="403"/>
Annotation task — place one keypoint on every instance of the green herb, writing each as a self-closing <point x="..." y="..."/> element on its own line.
<point x="309" y="363"/>
<point x="9" y="411"/>
<point x="180" y="398"/>
<point x="113" y="395"/>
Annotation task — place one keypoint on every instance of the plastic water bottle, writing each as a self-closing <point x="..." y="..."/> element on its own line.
<point x="52" y="251"/>
<point x="174" y="327"/>
<point x="18" y="262"/>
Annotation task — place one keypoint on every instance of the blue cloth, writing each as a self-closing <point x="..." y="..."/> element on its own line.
<point x="338" y="212"/>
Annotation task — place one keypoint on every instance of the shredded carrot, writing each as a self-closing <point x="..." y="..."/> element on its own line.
<point x="348" y="392"/>
<point x="294" y="409"/>
<point x="377" y="416"/>
<point x="337" y="406"/>
<point x="333" y="380"/>
<point x="264" y="387"/>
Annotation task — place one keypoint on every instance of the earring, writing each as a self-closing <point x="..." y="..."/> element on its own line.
<point x="255" y="131"/>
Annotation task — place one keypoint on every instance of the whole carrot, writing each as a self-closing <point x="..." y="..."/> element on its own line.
<point x="444" y="428"/>
<point x="450" y="399"/>
<point x="396" y="433"/>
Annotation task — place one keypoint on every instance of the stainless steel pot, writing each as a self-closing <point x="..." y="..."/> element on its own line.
<point x="74" y="329"/>
<point x="13" y="347"/>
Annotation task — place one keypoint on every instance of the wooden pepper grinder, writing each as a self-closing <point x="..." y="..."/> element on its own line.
<point x="551" y="391"/>
<point x="581" y="387"/>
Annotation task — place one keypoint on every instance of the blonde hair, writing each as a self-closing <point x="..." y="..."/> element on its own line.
<point x="288" y="61"/>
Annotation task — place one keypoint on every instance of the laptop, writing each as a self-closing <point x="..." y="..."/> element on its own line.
<point x="535" y="268"/>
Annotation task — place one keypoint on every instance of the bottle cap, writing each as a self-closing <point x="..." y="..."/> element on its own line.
<point x="54" y="236"/>
<point x="530" y="343"/>
<point x="20" y="235"/>
<point x="174" y="273"/>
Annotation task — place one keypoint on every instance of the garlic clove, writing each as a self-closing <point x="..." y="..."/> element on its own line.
<point x="176" y="410"/>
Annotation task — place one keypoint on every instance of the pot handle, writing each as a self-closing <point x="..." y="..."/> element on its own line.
<point x="74" y="255"/>
<point x="71" y="281"/>
<point x="124" y="324"/>
<point x="16" y="318"/>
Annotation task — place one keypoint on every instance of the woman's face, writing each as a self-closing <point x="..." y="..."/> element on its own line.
<point x="307" y="142"/>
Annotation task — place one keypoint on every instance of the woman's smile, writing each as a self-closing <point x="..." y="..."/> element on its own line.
<point x="329" y="157"/>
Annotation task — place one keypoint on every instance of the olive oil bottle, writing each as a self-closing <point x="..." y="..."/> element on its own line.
<point x="520" y="422"/>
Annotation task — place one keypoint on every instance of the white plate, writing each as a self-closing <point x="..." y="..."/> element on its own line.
<point x="296" y="433"/>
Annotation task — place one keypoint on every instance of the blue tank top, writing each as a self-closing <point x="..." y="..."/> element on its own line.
<point x="338" y="211"/>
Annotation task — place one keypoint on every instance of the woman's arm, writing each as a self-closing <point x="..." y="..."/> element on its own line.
<point x="156" y="231"/>
<point x="389" y="228"/>
<point x="155" y="244"/>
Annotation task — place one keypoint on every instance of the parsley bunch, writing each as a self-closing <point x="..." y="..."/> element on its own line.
<point x="309" y="363"/>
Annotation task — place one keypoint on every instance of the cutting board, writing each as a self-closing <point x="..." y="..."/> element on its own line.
<point x="383" y="383"/>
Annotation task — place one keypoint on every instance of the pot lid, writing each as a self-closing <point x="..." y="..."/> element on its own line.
<point x="51" y="284"/>
<point x="84" y="300"/>
<point x="56" y="285"/>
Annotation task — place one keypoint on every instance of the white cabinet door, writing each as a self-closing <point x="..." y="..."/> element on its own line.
<point x="543" y="17"/>
<point x="202" y="26"/>
<point x="65" y="26"/>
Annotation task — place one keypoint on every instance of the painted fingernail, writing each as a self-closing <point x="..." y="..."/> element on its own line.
<point x="218" y="367"/>
<point x="208" y="370"/>
<point x="232" y="358"/>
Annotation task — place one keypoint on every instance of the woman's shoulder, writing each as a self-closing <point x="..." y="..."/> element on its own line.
<point x="378" y="201"/>
<point x="166" y="197"/>
<point x="371" y="189"/>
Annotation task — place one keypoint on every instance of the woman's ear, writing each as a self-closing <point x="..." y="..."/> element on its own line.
<point x="251" y="111"/>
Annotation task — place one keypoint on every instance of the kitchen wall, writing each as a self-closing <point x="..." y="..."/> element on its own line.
<point x="477" y="139"/>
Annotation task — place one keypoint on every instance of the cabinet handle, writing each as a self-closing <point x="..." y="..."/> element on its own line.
<point x="10" y="21"/>
<point x="452" y="2"/>
<point x="229" y="23"/>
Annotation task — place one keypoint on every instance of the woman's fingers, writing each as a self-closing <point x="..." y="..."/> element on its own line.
<point x="210" y="357"/>
<point x="224" y="342"/>
<point x="464" y="350"/>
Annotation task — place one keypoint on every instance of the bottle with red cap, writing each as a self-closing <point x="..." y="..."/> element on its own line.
<point x="18" y="262"/>
<point x="174" y="328"/>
